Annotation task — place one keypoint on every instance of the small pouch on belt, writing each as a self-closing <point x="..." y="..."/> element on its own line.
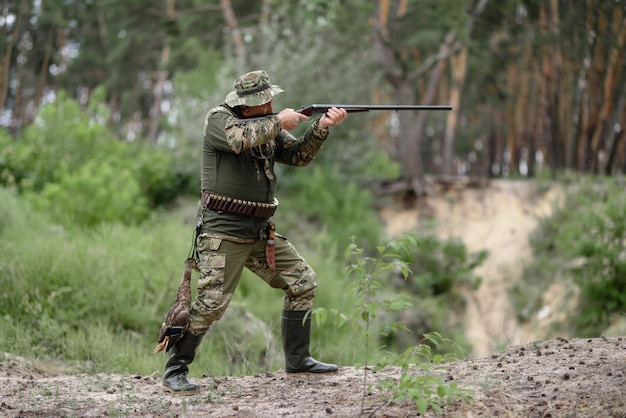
<point x="270" y="247"/>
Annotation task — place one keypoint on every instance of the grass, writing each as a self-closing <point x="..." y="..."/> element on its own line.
<point x="93" y="299"/>
<point x="96" y="298"/>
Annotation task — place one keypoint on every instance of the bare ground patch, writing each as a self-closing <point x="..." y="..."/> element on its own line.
<point x="556" y="378"/>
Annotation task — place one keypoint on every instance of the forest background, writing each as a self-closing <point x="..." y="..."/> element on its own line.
<point x="102" y="105"/>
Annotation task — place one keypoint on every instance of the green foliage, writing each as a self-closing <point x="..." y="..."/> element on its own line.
<point x="340" y="209"/>
<point x="367" y="274"/>
<point x="418" y="382"/>
<point x="64" y="284"/>
<point x="72" y="166"/>
<point x="95" y="298"/>
<point x="444" y="265"/>
<point x="96" y="193"/>
<point x="441" y="269"/>
<point x="584" y="239"/>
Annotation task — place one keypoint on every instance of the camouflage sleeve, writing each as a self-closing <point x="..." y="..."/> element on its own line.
<point x="300" y="152"/>
<point x="242" y="134"/>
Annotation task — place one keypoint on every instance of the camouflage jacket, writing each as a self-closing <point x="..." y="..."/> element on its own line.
<point x="238" y="159"/>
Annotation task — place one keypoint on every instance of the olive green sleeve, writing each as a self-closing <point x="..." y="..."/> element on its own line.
<point x="300" y="152"/>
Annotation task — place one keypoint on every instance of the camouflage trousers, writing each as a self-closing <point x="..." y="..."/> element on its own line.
<point x="221" y="264"/>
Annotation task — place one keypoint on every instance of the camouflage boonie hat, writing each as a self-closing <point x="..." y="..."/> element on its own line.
<point x="252" y="89"/>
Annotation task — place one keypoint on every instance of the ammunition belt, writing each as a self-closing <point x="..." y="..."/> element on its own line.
<point x="219" y="202"/>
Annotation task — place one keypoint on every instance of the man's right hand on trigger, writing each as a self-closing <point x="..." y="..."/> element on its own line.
<point x="289" y="118"/>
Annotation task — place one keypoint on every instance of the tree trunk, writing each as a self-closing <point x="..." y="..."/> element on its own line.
<point x="557" y="135"/>
<point x="522" y="119"/>
<point x="231" y="22"/>
<point x="594" y="93"/>
<point x="459" y="69"/>
<point x="511" y="132"/>
<point x="545" y="110"/>
<point x="18" y="109"/>
<point x="408" y="137"/>
<point x="161" y="78"/>
<point x="610" y="86"/>
<point x="459" y="73"/>
<point x="5" y="62"/>
<point x="617" y="126"/>
<point x="43" y="73"/>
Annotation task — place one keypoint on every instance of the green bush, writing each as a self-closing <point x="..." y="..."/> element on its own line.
<point x="599" y="237"/>
<point x="97" y="192"/>
<point x="162" y="179"/>
<point x="339" y="209"/>
<point x="585" y="240"/>
<point x="67" y="146"/>
<point x="440" y="266"/>
<point x="370" y="317"/>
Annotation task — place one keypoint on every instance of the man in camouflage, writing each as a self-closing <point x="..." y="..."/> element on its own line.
<point x="242" y="139"/>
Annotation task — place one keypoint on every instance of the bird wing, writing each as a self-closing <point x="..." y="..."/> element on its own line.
<point x="175" y="325"/>
<point x="177" y="319"/>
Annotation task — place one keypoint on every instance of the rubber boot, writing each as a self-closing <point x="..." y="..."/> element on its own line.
<point x="175" y="376"/>
<point x="296" y="339"/>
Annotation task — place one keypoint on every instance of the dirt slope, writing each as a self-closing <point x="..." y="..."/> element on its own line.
<point x="499" y="219"/>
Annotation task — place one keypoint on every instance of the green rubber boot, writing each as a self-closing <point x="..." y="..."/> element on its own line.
<point x="175" y="376"/>
<point x="296" y="339"/>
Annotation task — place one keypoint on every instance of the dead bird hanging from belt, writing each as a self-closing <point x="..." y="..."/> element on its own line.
<point x="177" y="319"/>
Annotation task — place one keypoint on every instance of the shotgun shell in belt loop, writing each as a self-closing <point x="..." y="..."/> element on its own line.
<point x="248" y="208"/>
<point x="238" y="205"/>
<point x="217" y="201"/>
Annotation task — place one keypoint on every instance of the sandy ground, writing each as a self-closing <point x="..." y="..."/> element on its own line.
<point x="512" y="375"/>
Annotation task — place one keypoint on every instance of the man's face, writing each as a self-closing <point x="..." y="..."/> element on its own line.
<point x="256" y="111"/>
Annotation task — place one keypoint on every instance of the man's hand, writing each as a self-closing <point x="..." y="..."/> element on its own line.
<point x="289" y="118"/>
<point x="334" y="116"/>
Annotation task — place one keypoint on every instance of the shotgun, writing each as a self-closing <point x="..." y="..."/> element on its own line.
<point x="318" y="109"/>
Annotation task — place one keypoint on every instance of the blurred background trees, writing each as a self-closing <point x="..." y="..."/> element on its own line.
<point x="534" y="83"/>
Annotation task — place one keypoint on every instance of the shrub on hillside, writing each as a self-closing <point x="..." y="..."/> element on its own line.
<point x="97" y="192"/>
<point x="585" y="240"/>
<point x="66" y="142"/>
